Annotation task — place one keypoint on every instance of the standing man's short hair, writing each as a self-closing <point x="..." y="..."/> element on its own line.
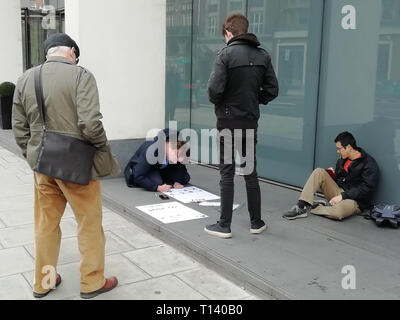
<point x="236" y="23"/>
<point x="345" y="139"/>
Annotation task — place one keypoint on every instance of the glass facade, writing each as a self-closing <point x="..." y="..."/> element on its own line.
<point x="39" y="19"/>
<point x="360" y="88"/>
<point x="331" y="79"/>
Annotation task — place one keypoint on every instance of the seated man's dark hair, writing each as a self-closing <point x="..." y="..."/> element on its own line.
<point x="345" y="139"/>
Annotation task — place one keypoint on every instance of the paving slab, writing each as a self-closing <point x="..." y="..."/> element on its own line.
<point x="18" y="261"/>
<point x="26" y="178"/>
<point x="24" y="235"/>
<point x="160" y="260"/>
<point x="126" y="271"/>
<point x="112" y="221"/>
<point x="18" y="216"/>
<point x="15" y="287"/>
<point x="21" y="216"/>
<point x="212" y="285"/>
<point x="17" y="202"/>
<point x="136" y="237"/>
<point x="12" y="188"/>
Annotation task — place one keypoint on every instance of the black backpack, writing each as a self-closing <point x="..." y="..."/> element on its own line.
<point x="384" y="212"/>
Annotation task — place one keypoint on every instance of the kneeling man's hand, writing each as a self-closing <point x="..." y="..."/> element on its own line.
<point x="336" y="200"/>
<point x="164" y="188"/>
<point x="177" y="185"/>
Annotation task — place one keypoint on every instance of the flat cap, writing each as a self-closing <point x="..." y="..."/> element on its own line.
<point x="60" y="39"/>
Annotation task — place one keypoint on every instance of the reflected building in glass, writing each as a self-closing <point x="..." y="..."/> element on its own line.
<point x="35" y="14"/>
<point x="331" y="79"/>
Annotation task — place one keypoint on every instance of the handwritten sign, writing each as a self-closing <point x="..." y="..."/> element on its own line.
<point x="170" y="212"/>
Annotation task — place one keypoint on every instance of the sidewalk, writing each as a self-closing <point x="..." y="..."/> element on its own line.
<point x="146" y="267"/>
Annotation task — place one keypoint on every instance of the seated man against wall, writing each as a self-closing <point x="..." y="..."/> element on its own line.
<point x="156" y="165"/>
<point x="349" y="188"/>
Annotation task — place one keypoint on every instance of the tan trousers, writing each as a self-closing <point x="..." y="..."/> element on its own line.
<point x="320" y="179"/>
<point x="51" y="196"/>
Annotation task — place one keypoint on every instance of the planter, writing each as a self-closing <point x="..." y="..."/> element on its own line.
<point x="5" y="112"/>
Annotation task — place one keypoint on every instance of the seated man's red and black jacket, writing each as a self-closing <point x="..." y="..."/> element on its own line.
<point x="361" y="180"/>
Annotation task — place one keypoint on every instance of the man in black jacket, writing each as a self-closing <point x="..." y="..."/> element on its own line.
<point x="242" y="78"/>
<point x="349" y="188"/>
<point x="155" y="174"/>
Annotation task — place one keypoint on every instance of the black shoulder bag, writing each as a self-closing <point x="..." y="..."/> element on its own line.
<point x="60" y="156"/>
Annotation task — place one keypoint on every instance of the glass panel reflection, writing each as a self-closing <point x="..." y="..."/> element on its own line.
<point x="382" y="134"/>
<point x="39" y="19"/>
<point x="291" y="32"/>
<point x="369" y="102"/>
<point x="207" y="41"/>
<point x="178" y="62"/>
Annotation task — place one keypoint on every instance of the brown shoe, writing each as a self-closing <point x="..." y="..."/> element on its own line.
<point x="110" y="284"/>
<point x="42" y="295"/>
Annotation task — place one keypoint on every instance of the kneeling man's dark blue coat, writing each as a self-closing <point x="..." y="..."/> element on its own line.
<point x="140" y="173"/>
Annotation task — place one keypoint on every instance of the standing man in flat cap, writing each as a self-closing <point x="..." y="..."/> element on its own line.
<point x="72" y="108"/>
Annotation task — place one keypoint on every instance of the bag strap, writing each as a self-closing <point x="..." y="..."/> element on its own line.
<point x="39" y="95"/>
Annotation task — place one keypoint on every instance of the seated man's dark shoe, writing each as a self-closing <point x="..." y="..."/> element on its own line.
<point x="317" y="203"/>
<point x="218" y="231"/>
<point x="42" y="295"/>
<point x="295" y="212"/>
<point x="258" y="227"/>
<point x="110" y="284"/>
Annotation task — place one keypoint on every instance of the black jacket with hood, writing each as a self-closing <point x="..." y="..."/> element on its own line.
<point x="361" y="180"/>
<point x="242" y="79"/>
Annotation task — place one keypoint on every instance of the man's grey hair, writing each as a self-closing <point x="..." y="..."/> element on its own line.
<point x="53" y="51"/>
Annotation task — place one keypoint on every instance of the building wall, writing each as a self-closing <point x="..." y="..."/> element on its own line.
<point x="123" y="43"/>
<point x="11" y="39"/>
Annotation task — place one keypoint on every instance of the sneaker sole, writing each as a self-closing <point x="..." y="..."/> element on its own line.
<point x="219" y="234"/>
<point x="304" y="215"/>
<point x="259" y="230"/>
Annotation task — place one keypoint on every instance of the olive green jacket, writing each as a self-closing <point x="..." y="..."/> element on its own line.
<point x="72" y="108"/>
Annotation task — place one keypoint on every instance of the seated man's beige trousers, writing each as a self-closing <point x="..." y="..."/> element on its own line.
<point x="320" y="179"/>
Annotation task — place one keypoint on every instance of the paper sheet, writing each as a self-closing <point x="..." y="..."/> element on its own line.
<point x="191" y="194"/>
<point x="170" y="212"/>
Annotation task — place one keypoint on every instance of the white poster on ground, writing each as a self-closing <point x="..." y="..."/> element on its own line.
<point x="170" y="212"/>
<point x="191" y="194"/>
